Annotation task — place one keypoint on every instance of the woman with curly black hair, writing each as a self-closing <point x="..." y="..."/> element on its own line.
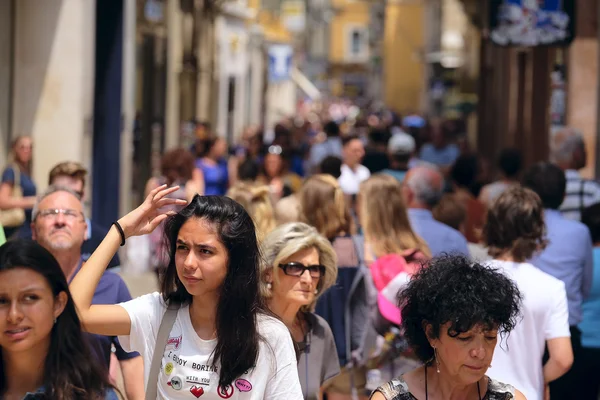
<point x="452" y="313"/>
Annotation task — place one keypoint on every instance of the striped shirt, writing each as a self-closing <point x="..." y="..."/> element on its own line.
<point x="580" y="194"/>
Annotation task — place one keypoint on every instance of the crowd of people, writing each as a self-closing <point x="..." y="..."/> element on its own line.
<point x="349" y="258"/>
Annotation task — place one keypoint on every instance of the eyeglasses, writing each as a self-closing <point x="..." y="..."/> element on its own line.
<point x="297" y="269"/>
<point x="70" y="215"/>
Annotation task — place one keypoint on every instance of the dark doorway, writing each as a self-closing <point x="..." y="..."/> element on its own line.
<point x="107" y="111"/>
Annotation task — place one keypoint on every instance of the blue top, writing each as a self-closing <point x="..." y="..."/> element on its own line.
<point x="439" y="237"/>
<point x="39" y="395"/>
<point x="330" y="147"/>
<point x="590" y="328"/>
<point x="444" y="156"/>
<point x="399" y="175"/>
<point x="27" y="186"/>
<point x="110" y="290"/>
<point x="568" y="257"/>
<point x="216" y="177"/>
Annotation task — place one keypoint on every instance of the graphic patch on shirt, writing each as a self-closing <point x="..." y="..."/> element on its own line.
<point x="225" y="392"/>
<point x="176" y="383"/>
<point x="197" y="391"/>
<point x="168" y="368"/>
<point x="174" y="343"/>
<point x="243" y="385"/>
<point x="198" y="380"/>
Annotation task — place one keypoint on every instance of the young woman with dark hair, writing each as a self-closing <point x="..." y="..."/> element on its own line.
<point x="222" y="342"/>
<point x="44" y="353"/>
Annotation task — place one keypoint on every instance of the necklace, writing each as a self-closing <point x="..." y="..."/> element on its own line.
<point x="427" y="392"/>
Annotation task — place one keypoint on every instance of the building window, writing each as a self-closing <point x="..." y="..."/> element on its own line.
<point x="357" y="44"/>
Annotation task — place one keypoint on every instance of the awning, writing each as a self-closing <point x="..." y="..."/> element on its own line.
<point x="305" y="84"/>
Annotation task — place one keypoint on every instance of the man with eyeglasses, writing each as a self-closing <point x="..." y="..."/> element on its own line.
<point x="59" y="225"/>
<point x="71" y="174"/>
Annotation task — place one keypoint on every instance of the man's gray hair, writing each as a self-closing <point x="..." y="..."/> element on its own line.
<point x="51" y="190"/>
<point x="422" y="182"/>
<point x="564" y="143"/>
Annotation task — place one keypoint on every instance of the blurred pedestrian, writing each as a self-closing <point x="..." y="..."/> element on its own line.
<point x="463" y="176"/>
<point x="17" y="189"/>
<point x="401" y="148"/>
<point x="213" y="166"/>
<point x="567" y="150"/>
<point x="510" y="163"/>
<point x="422" y="190"/>
<point x="589" y="363"/>
<point x="256" y="200"/>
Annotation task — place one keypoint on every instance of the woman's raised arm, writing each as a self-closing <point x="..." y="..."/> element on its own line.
<point x="113" y="320"/>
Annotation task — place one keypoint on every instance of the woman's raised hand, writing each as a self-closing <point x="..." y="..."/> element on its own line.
<point x="148" y="216"/>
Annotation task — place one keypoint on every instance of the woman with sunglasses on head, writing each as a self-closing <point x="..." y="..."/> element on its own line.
<point x="208" y="334"/>
<point x="298" y="266"/>
<point x="44" y="353"/>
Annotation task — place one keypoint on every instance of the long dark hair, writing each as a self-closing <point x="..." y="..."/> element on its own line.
<point x="239" y="303"/>
<point x="70" y="371"/>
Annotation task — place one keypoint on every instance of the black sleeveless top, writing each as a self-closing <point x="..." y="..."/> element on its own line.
<point x="397" y="389"/>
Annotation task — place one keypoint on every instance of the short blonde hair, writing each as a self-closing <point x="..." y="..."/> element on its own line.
<point x="285" y="241"/>
<point x="256" y="199"/>
<point x="71" y="169"/>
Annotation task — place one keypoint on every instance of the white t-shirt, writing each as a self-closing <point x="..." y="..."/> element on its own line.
<point x="350" y="180"/>
<point x="518" y="357"/>
<point x="186" y="371"/>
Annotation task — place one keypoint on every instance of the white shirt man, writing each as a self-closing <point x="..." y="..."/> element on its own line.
<point x="353" y="172"/>
<point x="545" y="318"/>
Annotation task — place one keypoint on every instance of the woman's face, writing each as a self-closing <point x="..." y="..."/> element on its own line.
<point x="23" y="150"/>
<point x="467" y="356"/>
<point x="297" y="290"/>
<point x="273" y="165"/>
<point x="219" y="149"/>
<point x="200" y="258"/>
<point x="27" y="310"/>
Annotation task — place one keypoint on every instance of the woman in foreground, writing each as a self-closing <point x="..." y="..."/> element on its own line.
<point x="44" y="353"/>
<point x="452" y="314"/>
<point x="221" y="343"/>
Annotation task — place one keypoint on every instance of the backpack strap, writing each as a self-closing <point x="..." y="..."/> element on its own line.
<point x="166" y="324"/>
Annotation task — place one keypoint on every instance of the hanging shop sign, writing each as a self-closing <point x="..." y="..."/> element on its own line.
<point x="530" y="23"/>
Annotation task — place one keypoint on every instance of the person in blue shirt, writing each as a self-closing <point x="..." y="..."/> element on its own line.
<point x="422" y="189"/>
<point x="332" y="146"/>
<point x="59" y="225"/>
<point x="439" y="151"/>
<point x="44" y="352"/>
<point x="590" y="324"/>
<point x="567" y="257"/>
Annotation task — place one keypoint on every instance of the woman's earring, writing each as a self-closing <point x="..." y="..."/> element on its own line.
<point x="437" y="360"/>
<point x="55" y="319"/>
<point x="269" y="285"/>
<point x="316" y="291"/>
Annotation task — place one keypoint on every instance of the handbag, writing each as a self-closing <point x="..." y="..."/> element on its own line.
<point x="166" y="324"/>
<point x="14" y="217"/>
